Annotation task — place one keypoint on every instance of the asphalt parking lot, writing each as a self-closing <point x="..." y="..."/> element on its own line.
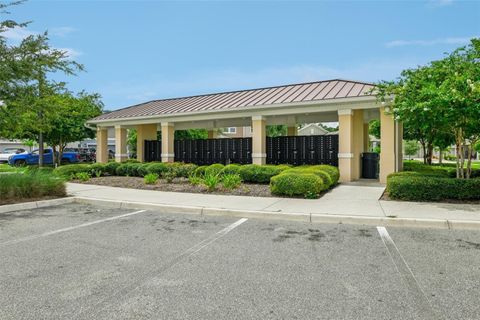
<point x="82" y="262"/>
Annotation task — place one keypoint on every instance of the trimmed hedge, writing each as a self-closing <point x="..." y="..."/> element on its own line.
<point x="444" y="169"/>
<point x="214" y="169"/>
<point x="415" y="186"/>
<point x="156" y="167"/>
<point x="307" y="185"/>
<point x="231" y="169"/>
<point x="111" y="167"/>
<point x="260" y="174"/>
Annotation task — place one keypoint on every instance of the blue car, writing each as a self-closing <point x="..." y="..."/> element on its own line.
<point x="31" y="158"/>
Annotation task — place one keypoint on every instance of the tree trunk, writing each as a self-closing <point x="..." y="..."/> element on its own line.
<point x="40" y="149"/>
<point x="469" y="160"/>
<point x="424" y="149"/>
<point x="429" y="153"/>
<point x="54" y="155"/>
<point x="440" y="156"/>
<point x="61" y="147"/>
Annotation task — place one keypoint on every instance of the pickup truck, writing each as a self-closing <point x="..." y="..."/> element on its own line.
<point x="32" y="158"/>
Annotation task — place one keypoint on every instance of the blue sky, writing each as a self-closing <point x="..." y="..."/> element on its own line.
<point x="136" y="51"/>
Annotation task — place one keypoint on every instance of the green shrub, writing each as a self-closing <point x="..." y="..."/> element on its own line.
<point x="156" y="167"/>
<point x="142" y="169"/>
<point x="326" y="178"/>
<point x="416" y="166"/>
<point x="211" y="181"/>
<point x="231" y="169"/>
<point x="31" y="184"/>
<point x="260" y="174"/>
<point x="333" y="172"/>
<point x="82" y="176"/>
<point x="200" y="171"/>
<point x="150" y="178"/>
<point x="231" y="181"/>
<point x="307" y="185"/>
<point x="415" y="186"/>
<point x="70" y="170"/>
<point x="129" y="169"/>
<point x="183" y="170"/>
<point x="97" y="169"/>
<point x="111" y="167"/>
<point x="170" y="174"/>
<point x="214" y="169"/>
<point x="194" y="179"/>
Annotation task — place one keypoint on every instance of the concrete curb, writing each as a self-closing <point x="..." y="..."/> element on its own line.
<point x="290" y="216"/>
<point x="35" y="204"/>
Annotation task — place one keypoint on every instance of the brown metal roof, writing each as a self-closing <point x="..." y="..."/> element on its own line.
<point x="292" y="93"/>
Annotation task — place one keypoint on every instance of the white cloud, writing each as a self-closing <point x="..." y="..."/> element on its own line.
<point x="440" y="3"/>
<point x="18" y="34"/>
<point x="402" y="43"/>
<point x="61" y="31"/>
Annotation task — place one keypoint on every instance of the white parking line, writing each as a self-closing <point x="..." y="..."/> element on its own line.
<point x="156" y="272"/>
<point x="83" y="225"/>
<point x="418" y="295"/>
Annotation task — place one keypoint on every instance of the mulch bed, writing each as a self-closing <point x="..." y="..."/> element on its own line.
<point x="179" y="185"/>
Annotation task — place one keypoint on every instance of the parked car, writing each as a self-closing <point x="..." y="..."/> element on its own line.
<point x="32" y="158"/>
<point x="7" y="152"/>
<point x="86" y="154"/>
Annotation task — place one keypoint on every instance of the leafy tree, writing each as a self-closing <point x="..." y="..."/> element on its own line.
<point x="67" y="122"/>
<point x="191" y="134"/>
<point x="374" y="128"/>
<point x="276" y="130"/>
<point x="439" y="100"/>
<point x="25" y="87"/>
<point x="410" y="148"/>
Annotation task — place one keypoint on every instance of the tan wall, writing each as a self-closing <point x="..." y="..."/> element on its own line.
<point x="292" y="131"/>
<point x="358" y="143"/>
<point x="120" y="144"/>
<point x="144" y="132"/>
<point x="212" y="134"/>
<point x="168" y="136"/>
<point x="259" y="150"/>
<point x="351" y="144"/>
<point x="387" y="145"/>
<point x="102" y="145"/>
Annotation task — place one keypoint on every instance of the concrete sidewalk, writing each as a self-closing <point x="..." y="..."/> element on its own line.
<point x="343" y="201"/>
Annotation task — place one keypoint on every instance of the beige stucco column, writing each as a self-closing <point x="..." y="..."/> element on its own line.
<point x="366" y="137"/>
<point x="388" y="145"/>
<point x="358" y="144"/>
<point x="168" y="136"/>
<point x="292" y="131"/>
<point x="350" y="144"/>
<point x="259" y="137"/>
<point x="212" y="134"/>
<point x="120" y="144"/>
<point x="102" y="145"/>
<point x="144" y="132"/>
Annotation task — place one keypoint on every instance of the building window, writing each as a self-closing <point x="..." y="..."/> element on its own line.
<point x="230" y="130"/>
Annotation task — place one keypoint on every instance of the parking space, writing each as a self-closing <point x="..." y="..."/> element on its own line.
<point x="83" y="262"/>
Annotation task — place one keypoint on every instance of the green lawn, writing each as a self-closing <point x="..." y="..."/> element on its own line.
<point x="7" y="168"/>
